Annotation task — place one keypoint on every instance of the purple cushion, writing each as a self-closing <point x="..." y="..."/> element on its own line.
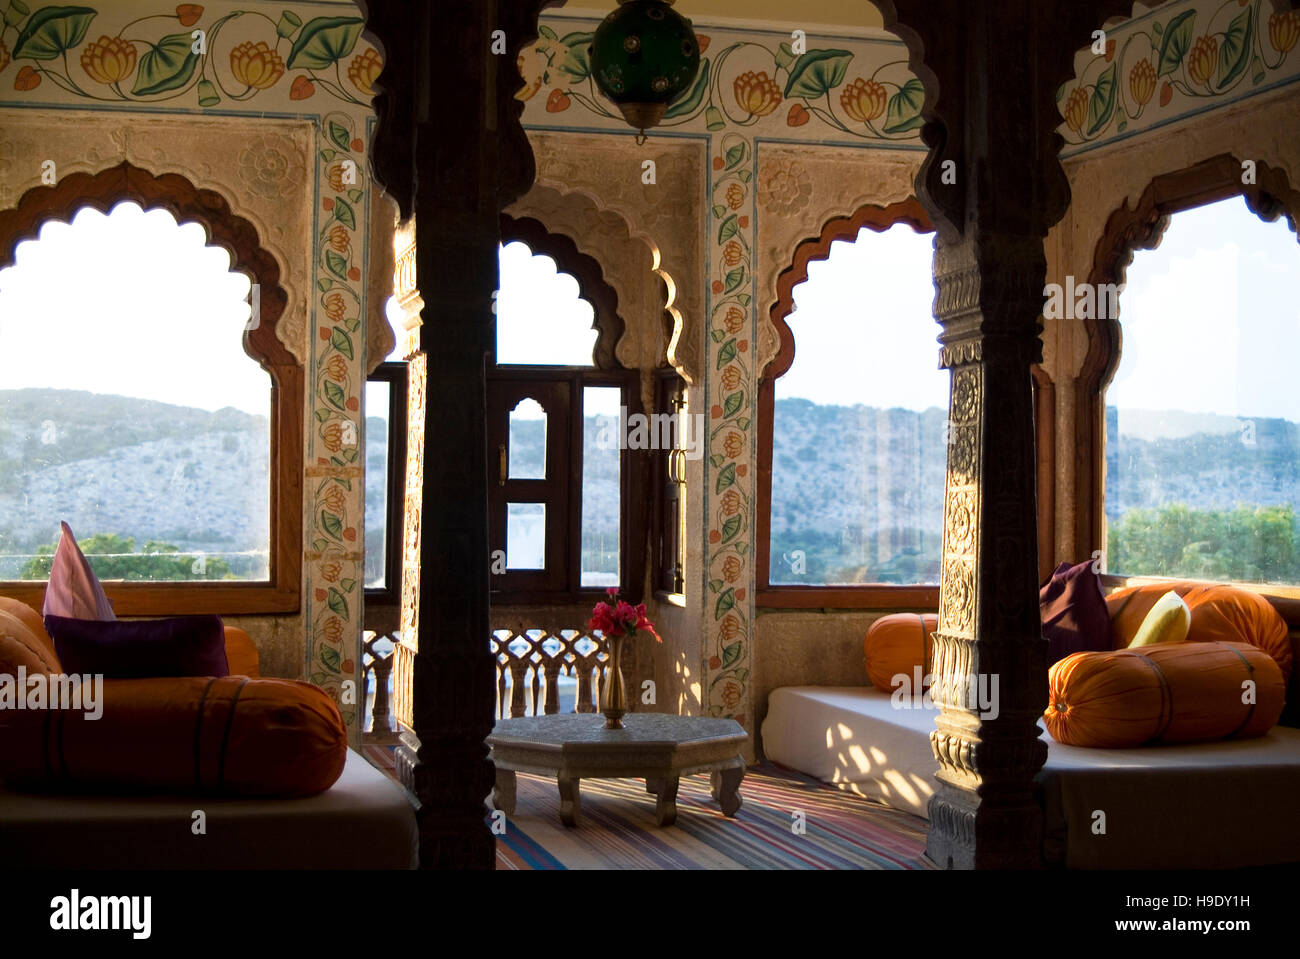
<point x="141" y="649"/>
<point x="1074" y="614"/>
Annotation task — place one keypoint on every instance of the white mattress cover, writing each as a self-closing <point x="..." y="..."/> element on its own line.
<point x="1205" y="805"/>
<point x="363" y="821"/>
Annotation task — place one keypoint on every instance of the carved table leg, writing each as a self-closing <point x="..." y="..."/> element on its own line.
<point x="652" y="786"/>
<point x="570" y="801"/>
<point x="666" y="803"/>
<point x="503" y="793"/>
<point x="725" y="786"/>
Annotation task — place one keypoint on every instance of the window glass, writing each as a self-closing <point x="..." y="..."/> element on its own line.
<point x="525" y="536"/>
<point x="378" y="395"/>
<point x="528" y="441"/>
<point x="541" y="319"/>
<point x="858" y="456"/>
<point x="600" y="485"/>
<point x="128" y="406"/>
<point x="1203" y="415"/>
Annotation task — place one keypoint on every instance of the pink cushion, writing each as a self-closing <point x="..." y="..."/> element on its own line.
<point x="74" y="591"/>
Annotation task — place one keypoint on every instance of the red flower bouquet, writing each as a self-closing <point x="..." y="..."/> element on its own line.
<point x="614" y="617"/>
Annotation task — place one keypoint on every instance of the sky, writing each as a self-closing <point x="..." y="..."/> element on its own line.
<point x="1201" y="317"/>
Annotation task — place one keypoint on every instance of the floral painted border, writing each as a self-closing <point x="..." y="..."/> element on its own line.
<point x="1196" y="54"/>
<point x="876" y="101"/>
<point x="731" y="383"/>
<point x="140" y="63"/>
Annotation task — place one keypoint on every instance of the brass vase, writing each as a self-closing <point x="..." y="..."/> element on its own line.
<point x="613" y="695"/>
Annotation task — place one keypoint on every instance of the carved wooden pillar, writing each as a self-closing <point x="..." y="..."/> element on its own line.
<point x="450" y="150"/>
<point x="993" y="186"/>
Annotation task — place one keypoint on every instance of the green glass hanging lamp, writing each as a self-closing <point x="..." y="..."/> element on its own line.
<point x="643" y="56"/>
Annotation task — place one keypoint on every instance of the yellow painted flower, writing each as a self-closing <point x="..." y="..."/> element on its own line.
<point x="364" y="69"/>
<point x="1203" y="59"/>
<point x="337" y="368"/>
<point x="331" y="571"/>
<point x="757" y="93"/>
<point x="332" y="435"/>
<point x="731" y="568"/>
<point x="735" y="196"/>
<point x="335" y="306"/>
<point x="4" y="56"/>
<point x="729" y="628"/>
<point x="1283" y="30"/>
<point x="108" y="60"/>
<point x="863" y="100"/>
<point x="1142" y="81"/>
<point x="339" y="238"/>
<point x="733" y="444"/>
<point x="731" y="377"/>
<point x="333" y="499"/>
<point x="1076" y="109"/>
<point x="734" y="321"/>
<point x="256" y="65"/>
<point x="731" y="503"/>
<point x="733" y="253"/>
<point x="333" y="629"/>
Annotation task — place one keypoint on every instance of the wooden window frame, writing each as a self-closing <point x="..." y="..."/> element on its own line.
<point x="869" y="595"/>
<point x="1127" y="230"/>
<point x="282" y="592"/>
<point x="668" y="497"/>
<point x="395" y="375"/>
<point x="634" y="466"/>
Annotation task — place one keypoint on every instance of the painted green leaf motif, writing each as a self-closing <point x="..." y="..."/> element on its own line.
<point x="337" y="602"/>
<point x="718" y="335"/>
<point x="733" y="403"/>
<point x="715" y="585"/>
<point x="728" y="229"/>
<point x="577" y="62"/>
<point x="331" y="524"/>
<point x="339" y="134"/>
<point x="1258" y="76"/>
<point x="51" y="31"/>
<point x="690" y="101"/>
<point x="1176" y="41"/>
<point x="344" y="214"/>
<point x="1157" y="29"/>
<point x="734" y="279"/>
<point x="334" y="394"/>
<point x="717" y="460"/>
<point x="348" y="584"/>
<point x="731" y="654"/>
<point x="330" y="659"/>
<point x="328" y="154"/>
<point x="324" y="283"/>
<point x="323" y="42"/>
<point x="817" y="72"/>
<point x="167" y="66"/>
<point x="547" y="32"/>
<point x="352" y="323"/>
<point x="1101" y="105"/>
<point x="726" y="477"/>
<point x="356" y="195"/>
<point x="744" y="175"/>
<point x="743" y="422"/>
<point x="319" y="544"/>
<point x="350" y="455"/>
<point x="735" y="155"/>
<point x="318" y="679"/>
<point x="341" y="342"/>
<point x="344" y="482"/>
<point x="904" y="111"/>
<point x="743" y="298"/>
<point x="1234" y="52"/>
<point x="337" y="264"/>
<point x="718" y="210"/>
<point x="730" y="528"/>
<point x="322" y="415"/>
<point x="727" y="353"/>
<point x="725" y="602"/>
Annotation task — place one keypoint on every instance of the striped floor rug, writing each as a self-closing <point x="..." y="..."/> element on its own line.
<point x="788" y="821"/>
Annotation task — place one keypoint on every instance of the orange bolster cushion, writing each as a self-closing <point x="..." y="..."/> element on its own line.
<point x="1168" y="693"/>
<point x="1219" y="614"/>
<point x="20" y="646"/>
<point x="898" y="644"/>
<point x="231" y="736"/>
<point x="241" y="653"/>
<point x="35" y="635"/>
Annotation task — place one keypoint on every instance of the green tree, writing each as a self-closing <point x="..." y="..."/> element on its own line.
<point x="1248" y="544"/>
<point x="114" y="557"/>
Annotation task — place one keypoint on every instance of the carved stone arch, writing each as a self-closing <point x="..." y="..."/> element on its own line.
<point x="625" y="261"/>
<point x="1141" y="228"/>
<point x="239" y="238"/>
<point x="684" y="346"/>
<point x="592" y="286"/>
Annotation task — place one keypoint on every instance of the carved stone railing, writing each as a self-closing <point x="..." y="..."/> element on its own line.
<point x="377" y="667"/>
<point x="531" y="659"/>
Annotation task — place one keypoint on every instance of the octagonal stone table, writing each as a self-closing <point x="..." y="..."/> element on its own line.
<point x="661" y="747"/>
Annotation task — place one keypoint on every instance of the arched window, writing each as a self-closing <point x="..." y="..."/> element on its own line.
<point x="561" y="525"/>
<point x="146" y="399"/>
<point x="852" y="452"/>
<point x="1202" y="420"/>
